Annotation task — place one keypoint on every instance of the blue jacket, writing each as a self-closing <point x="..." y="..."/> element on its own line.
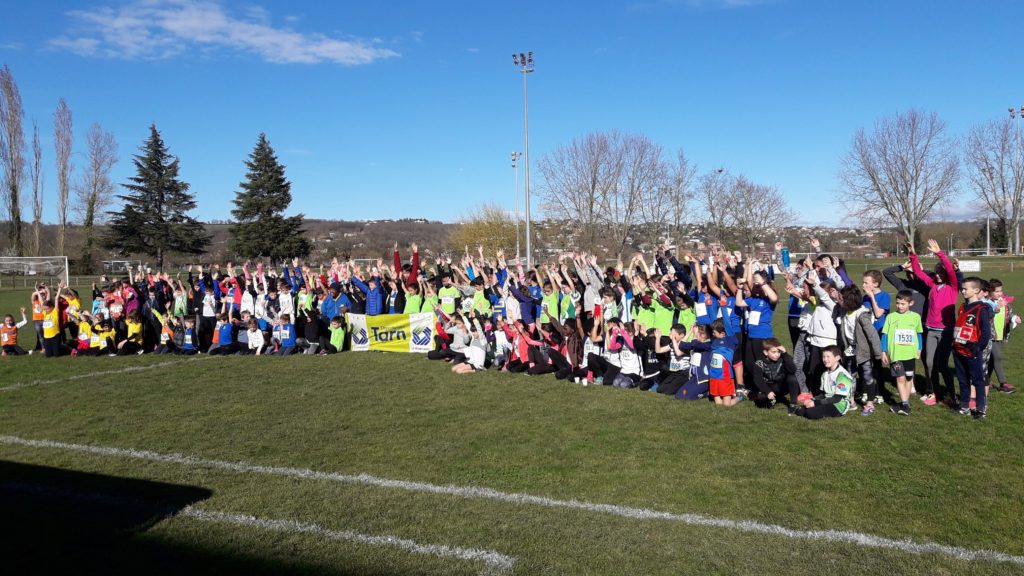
<point x="374" y="298"/>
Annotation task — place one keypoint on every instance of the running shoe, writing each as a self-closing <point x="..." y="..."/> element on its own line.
<point x="963" y="412"/>
<point x="904" y="410"/>
<point x="979" y="415"/>
<point x="1006" y="388"/>
<point x="928" y="399"/>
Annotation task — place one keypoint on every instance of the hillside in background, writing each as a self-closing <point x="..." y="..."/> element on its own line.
<point x="375" y="239"/>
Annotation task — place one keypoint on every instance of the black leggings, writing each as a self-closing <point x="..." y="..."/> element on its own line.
<point x="517" y="366"/>
<point x="602" y="368"/>
<point x="673" y="382"/>
<point x="815" y="368"/>
<point x="819" y="411"/>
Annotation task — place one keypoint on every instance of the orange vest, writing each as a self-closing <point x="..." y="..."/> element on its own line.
<point x="37" y="309"/>
<point x="8" y="335"/>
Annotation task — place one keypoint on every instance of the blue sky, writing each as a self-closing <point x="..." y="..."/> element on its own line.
<point x="411" y="109"/>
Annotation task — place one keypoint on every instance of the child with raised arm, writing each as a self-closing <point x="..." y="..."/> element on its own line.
<point x="901" y="348"/>
<point x="9" y="335"/>
<point x="942" y="294"/>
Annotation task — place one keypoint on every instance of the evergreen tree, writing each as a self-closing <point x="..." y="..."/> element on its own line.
<point x="1000" y="238"/>
<point x="261" y="229"/>
<point x="155" y="220"/>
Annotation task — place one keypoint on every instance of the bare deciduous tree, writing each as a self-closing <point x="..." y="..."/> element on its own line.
<point x="681" y="178"/>
<point x="575" y="179"/>
<point x="94" y="191"/>
<point x="62" y="138"/>
<point x="36" y="173"/>
<point x="756" y="212"/>
<point x="642" y="176"/>
<point x="901" y="171"/>
<point x="713" y="189"/>
<point x="12" y="158"/>
<point x="994" y="157"/>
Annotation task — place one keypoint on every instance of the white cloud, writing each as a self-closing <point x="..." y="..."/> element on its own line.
<point x="155" y="29"/>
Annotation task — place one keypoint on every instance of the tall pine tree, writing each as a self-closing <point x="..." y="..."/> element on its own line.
<point x="155" y="220"/>
<point x="261" y="229"/>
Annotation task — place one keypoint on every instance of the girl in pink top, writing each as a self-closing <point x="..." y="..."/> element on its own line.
<point x="943" y="290"/>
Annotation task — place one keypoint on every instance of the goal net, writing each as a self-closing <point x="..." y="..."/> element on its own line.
<point x="31" y="270"/>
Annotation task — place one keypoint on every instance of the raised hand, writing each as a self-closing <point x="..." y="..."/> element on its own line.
<point x="933" y="246"/>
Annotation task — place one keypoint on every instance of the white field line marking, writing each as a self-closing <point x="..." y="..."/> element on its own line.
<point x="495" y="562"/>
<point x="472" y="492"/>
<point x="129" y="369"/>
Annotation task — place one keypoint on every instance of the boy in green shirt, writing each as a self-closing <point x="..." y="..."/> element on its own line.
<point x="337" y="329"/>
<point x="901" y="347"/>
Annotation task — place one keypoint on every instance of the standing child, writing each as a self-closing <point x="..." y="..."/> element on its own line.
<point x="860" y="345"/>
<point x="723" y="382"/>
<point x="1003" y="317"/>
<point x="971" y="333"/>
<point x="902" y="340"/>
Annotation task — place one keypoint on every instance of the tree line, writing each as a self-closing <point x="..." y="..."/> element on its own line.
<point x="155" y="219"/>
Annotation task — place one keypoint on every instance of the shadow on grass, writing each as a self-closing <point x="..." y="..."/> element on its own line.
<point x="55" y="521"/>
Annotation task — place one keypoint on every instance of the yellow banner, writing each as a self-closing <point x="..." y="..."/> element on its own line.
<point x="392" y="332"/>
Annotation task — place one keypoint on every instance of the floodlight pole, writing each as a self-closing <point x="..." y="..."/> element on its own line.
<point x="515" y="158"/>
<point x="524" y="61"/>
<point x="1016" y="115"/>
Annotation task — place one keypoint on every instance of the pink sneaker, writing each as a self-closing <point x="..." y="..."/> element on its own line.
<point x="928" y="399"/>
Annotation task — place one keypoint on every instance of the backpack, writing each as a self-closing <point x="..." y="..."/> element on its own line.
<point x="966" y="332"/>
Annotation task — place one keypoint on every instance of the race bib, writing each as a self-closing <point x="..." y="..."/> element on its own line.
<point x="188" y="339"/>
<point x="47" y="324"/>
<point x="753" y="318"/>
<point x="677" y="364"/>
<point x="37" y="309"/>
<point x="447" y="300"/>
<point x="702" y="309"/>
<point x="906" y="337"/>
<point x="695" y="359"/>
<point x="716" y="360"/>
<point x="83" y="337"/>
<point x="95" y="339"/>
<point x="3" y="338"/>
<point x="163" y="337"/>
<point x="963" y="334"/>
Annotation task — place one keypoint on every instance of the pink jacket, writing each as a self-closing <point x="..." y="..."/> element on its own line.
<point x="941" y="297"/>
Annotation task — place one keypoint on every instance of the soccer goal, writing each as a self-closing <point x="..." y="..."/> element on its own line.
<point x="27" y="271"/>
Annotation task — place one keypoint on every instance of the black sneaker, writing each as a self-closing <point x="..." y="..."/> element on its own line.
<point x="904" y="409"/>
<point x="963" y="412"/>
<point x="979" y="415"/>
<point x="895" y="408"/>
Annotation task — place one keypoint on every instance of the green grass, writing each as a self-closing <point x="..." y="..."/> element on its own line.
<point x="929" y="477"/>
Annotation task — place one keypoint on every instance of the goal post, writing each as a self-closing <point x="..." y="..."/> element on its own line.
<point x="30" y="270"/>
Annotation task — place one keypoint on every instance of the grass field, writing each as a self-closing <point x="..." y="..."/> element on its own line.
<point x="339" y="451"/>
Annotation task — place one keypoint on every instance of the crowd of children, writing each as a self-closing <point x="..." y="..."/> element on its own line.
<point x="691" y="326"/>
